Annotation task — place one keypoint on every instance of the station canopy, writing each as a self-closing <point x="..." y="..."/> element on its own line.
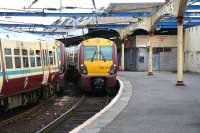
<point x="71" y="17"/>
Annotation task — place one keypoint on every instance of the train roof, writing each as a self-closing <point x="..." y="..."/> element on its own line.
<point x="20" y="35"/>
<point x="98" y="40"/>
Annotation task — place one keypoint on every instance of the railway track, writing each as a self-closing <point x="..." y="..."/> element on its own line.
<point x="18" y="115"/>
<point x="84" y="109"/>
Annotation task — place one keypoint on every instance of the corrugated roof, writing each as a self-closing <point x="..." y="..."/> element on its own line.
<point x="124" y="7"/>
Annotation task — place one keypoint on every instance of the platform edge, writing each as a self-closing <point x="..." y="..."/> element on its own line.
<point x="107" y="115"/>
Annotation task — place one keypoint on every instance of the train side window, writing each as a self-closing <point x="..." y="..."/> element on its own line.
<point x="8" y="58"/>
<point x="25" y="58"/>
<point x="38" y="58"/>
<point x="51" y="57"/>
<point x="32" y="58"/>
<point x="17" y="58"/>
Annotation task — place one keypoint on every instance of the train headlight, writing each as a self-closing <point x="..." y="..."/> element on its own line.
<point x="83" y="69"/>
<point x="113" y="69"/>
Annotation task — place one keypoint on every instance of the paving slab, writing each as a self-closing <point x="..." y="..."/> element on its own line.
<point x="158" y="106"/>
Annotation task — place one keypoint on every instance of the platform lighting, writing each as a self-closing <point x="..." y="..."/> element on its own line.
<point x="112" y="38"/>
<point x="70" y="7"/>
<point x="67" y="7"/>
<point x="164" y="31"/>
<point x="52" y="9"/>
<point x="130" y="33"/>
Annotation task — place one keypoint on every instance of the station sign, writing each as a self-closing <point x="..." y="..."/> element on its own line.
<point x="156" y="41"/>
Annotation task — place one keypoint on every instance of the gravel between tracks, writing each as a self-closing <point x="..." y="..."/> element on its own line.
<point x="48" y="111"/>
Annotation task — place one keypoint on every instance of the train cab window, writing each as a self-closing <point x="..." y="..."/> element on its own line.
<point x="25" y="58"/>
<point x="51" y="58"/>
<point x="8" y="58"/>
<point x="105" y="53"/>
<point x="17" y="57"/>
<point x="38" y="59"/>
<point x="32" y="58"/>
<point x="90" y="53"/>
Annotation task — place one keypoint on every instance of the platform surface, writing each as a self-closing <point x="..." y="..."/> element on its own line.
<point x="158" y="106"/>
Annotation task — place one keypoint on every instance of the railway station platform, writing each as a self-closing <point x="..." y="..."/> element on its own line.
<point x="156" y="105"/>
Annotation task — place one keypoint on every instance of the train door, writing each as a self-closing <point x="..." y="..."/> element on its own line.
<point x="44" y="53"/>
<point x="57" y="55"/>
<point x="1" y="73"/>
<point x="51" y="62"/>
<point x="48" y="65"/>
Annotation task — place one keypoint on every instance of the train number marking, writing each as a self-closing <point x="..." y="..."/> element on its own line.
<point x="26" y="82"/>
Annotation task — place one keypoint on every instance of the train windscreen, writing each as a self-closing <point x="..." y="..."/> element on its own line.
<point x="90" y="53"/>
<point x="105" y="52"/>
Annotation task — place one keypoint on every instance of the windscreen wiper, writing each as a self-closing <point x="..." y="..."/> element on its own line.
<point x="92" y="59"/>
<point x="103" y="57"/>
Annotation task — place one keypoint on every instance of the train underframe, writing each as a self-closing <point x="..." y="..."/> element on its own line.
<point x="98" y="83"/>
<point x="29" y="97"/>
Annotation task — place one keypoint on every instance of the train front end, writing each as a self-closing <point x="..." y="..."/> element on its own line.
<point x="98" y="65"/>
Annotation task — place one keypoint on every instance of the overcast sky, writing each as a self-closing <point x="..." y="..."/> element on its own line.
<point x="19" y="4"/>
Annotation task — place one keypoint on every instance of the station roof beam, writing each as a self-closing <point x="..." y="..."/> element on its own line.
<point x="110" y="26"/>
<point x="43" y="14"/>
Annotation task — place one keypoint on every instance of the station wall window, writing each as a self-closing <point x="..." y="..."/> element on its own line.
<point x="38" y="58"/>
<point x="51" y="58"/>
<point x="159" y="50"/>
<point x="32" y="58"/>
<point x="17" y="57"/>
<point x="8" y="58"/>
<point x="167" y="49"/>
<point x="25" y="58"/>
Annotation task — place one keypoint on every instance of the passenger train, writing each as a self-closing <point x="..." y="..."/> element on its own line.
<point x="29" y="68"/>
<point x="95" y="60"/>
